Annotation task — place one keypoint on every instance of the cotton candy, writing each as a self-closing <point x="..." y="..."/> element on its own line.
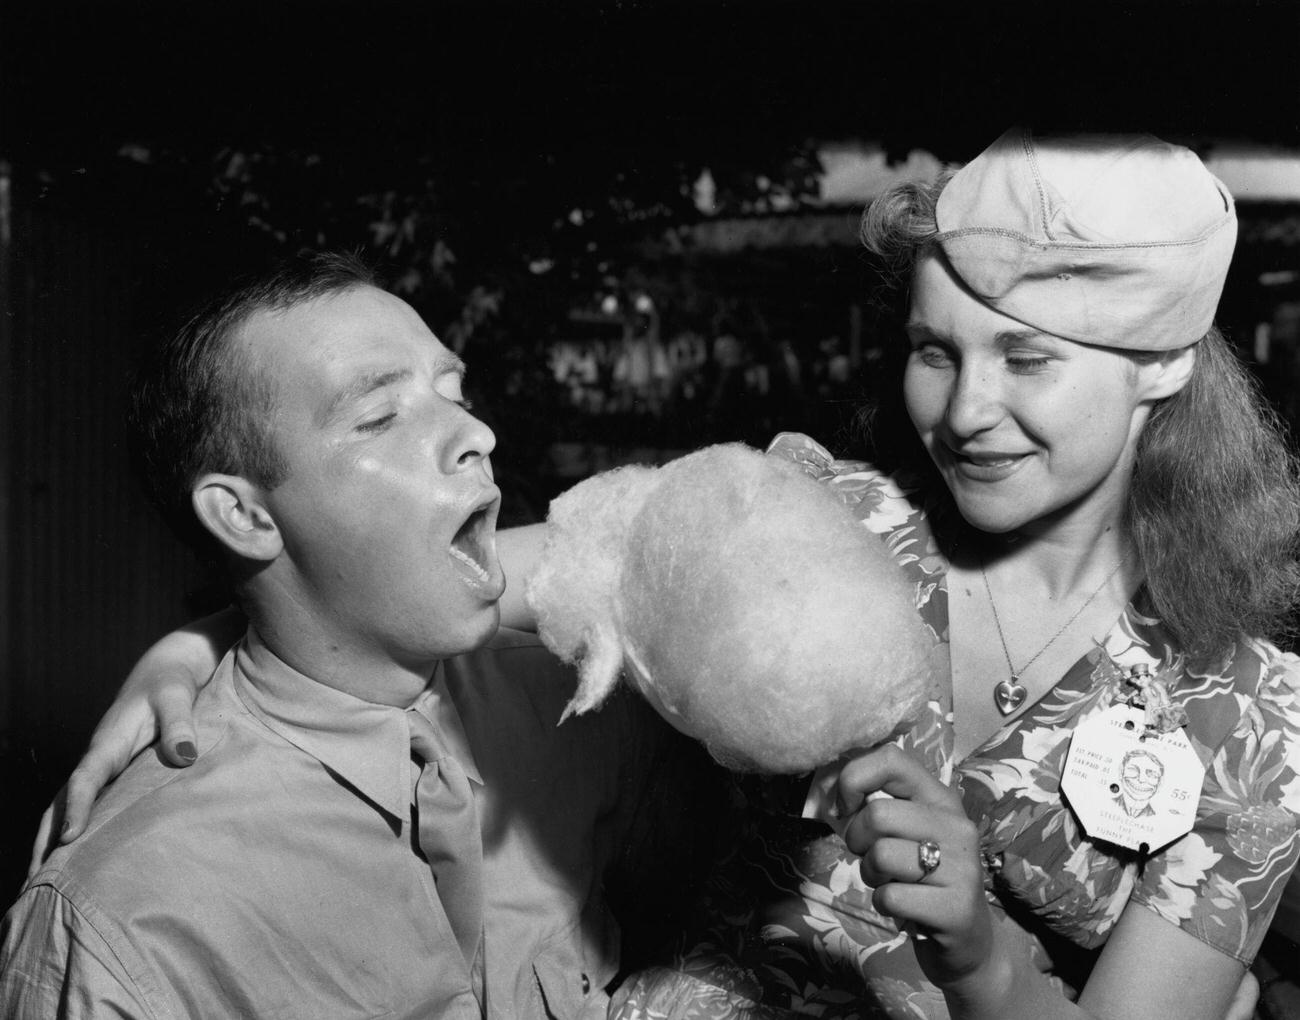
<point x="743" y="599"/>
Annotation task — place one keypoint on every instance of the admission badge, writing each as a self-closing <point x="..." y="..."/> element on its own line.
<point x="1131" y="775"/>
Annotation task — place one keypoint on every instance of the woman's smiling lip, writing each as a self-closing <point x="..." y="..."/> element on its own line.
<point x="985" y="466"/>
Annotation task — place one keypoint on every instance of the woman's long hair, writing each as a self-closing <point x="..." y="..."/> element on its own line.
<point x="1214" y="502"/>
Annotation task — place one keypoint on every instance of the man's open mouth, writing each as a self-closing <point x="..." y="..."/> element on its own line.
<point x="473" y="547"/>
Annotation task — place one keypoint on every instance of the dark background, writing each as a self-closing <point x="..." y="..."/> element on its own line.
<point x="150" y="148"/>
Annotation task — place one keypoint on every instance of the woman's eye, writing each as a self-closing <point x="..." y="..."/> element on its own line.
<point x="1027" y="363"/>
<point x="376" y="424"/>
<point x="932" y="356"/>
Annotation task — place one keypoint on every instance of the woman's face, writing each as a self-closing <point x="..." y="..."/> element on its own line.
<point x="1025" y="427"/>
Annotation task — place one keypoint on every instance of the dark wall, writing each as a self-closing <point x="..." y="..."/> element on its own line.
<point x="88" y="574"/>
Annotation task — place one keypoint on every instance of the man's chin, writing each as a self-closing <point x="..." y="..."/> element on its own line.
<point x="484" y="629"/>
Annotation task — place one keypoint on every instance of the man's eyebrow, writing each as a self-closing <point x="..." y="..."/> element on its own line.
<point x="358" y="388"/>
<point x="447" y="364"/>
<point x="450" y="363"/>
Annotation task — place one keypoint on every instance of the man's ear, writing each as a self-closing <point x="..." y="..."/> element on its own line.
<point x="1167" y="374"/>
<point x="231" y="507"/>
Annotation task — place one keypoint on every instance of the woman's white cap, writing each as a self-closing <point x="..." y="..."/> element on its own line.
<point x="1113" y="240"/>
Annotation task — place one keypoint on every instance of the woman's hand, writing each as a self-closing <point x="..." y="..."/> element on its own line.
<point x="972" y="960"/>
<point x="945" y="907"/>
<point x="156" y="699"/>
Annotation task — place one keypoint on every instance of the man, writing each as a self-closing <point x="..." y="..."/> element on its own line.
<point x="315" y="430"/>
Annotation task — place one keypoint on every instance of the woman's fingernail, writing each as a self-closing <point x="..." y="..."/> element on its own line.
<point x="187" y="750"/>
<point x="67" y="827"/>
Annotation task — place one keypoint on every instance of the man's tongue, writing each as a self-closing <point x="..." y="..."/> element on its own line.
<point x="468" y="564"/>
<point x="468" y="553"/>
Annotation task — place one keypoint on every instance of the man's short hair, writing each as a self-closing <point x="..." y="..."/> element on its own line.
<point x="198" y="404"/>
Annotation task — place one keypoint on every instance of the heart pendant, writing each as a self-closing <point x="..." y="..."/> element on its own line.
<point x="1009" y="695"/>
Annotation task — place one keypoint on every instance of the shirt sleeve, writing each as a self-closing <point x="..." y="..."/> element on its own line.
<point x="1223" y="880"/>
<point x="54" y="964"/>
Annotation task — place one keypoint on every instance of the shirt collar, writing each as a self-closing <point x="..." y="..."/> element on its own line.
<point x="366" y="744"/>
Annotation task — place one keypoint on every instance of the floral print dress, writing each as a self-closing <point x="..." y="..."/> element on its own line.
<point x="786" y="926"/>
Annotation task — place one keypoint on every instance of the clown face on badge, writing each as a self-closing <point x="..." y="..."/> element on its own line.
<point x="1140" y="774"/>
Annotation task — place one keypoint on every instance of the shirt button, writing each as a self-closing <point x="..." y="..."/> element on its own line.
<point x="586" y="984"/>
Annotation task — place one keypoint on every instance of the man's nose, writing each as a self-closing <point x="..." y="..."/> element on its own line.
<point x="473" y="442"/>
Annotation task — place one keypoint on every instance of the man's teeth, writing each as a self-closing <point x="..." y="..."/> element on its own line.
<point x="470" y="562"/>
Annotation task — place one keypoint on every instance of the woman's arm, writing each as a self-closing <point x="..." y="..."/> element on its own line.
<point x="158" y="696"/>
<point x="1148" y="968"/>
<point x="519" y="549"/>
<point x="155" y="701"/>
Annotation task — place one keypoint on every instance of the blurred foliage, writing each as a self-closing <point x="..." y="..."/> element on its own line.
<point x="499" y="257"/>
<point x="452" y="240"/>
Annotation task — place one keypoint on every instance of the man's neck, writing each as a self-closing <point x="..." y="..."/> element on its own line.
<point x="363" y="669"/>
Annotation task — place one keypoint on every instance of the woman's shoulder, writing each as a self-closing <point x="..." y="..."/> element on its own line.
<point x="1244" y="713"/>
<point x="884" y="502"/>
<point x="1262" y="673"/>
<point x="1251" y="687"/>
<point x="1270" y="678"/>
<point x="816" y="459"/>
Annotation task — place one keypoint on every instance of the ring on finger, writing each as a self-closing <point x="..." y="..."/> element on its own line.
<point x="928" y="857"/>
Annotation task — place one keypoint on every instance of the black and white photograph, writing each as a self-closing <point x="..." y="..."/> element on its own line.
<point x="650" y="510"/>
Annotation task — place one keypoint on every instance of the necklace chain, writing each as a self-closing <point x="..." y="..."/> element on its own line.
<point x="997" y="621"/>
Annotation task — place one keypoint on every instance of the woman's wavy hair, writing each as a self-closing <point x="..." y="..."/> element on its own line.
<point x="1214" y="504"/>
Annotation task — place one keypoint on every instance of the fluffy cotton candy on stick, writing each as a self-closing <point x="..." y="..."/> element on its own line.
<point x="747" y="603"/>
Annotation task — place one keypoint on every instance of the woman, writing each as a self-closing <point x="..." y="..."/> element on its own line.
<point x="1124" y="514"/>
<point x="1107" y="514"/>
